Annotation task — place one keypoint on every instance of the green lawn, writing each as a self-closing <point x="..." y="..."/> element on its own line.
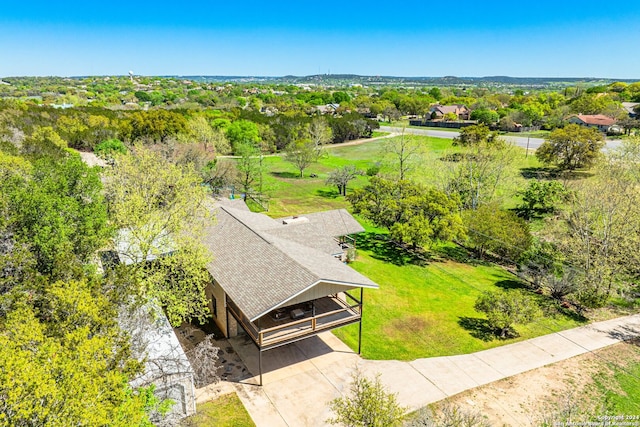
<point x="291" y="194"/>
<point x="618" y="382"/>
<point x="225" y="411"/>
<point x="425" y="309"/>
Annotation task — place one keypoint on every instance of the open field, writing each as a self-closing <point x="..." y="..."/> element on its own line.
<point x="425" y="309"/>
<point x="291" y="194"/>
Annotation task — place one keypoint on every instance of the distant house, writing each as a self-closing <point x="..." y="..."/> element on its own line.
<point x="328" y="108"/>
<point x="280" y="281"/>
<point x="439" y="111"/>
<point x="630" y="108"/>
<point x="599" y="121"/>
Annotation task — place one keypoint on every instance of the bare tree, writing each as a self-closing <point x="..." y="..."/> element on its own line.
<point x="341" y="177"/>
<point x="405" y="152"/>
<point x="319" y="133"/>
<point x="204" y="361"/>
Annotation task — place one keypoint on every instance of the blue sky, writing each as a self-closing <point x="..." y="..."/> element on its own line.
<point x="540" y="39"/>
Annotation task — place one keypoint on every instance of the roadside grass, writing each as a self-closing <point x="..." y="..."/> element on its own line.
<point x="425" y="308"/>
<point x="617" y="384"/>
<point x="225" y="411"/>
<point x="377" y="134"/>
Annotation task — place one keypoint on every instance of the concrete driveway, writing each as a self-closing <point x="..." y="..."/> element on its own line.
<point x="301" y="379"/>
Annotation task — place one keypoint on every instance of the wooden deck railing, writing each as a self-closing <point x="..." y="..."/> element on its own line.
<point x="296" y="329"/>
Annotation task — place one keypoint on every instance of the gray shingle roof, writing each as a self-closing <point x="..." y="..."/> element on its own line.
<point x="260" y="269"/>
<point x="337" y="222"/>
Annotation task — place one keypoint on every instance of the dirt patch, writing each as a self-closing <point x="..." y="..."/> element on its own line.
<point x="530" y="397"/>
<point x="406" y="325"/>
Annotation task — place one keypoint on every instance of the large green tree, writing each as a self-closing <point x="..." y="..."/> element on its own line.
<point x="302" y="153"/>
<point x="572" y="147"/>
<point x="57" y="208"/>
<point x="160" y="208"/>
<point x="413" y="214"/>
<point x="64" y="362"/>
<point x="501" y="232"/>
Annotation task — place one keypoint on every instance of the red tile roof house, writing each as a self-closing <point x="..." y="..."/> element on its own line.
<point x="438" y="111"/>
<point x="281" y="281"/>
<point x="599" y="121"/>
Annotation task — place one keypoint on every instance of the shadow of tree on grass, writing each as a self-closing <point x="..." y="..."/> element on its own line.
<point x="290" y="175"/>
<point x="478" y="328"/>
<point x="385" y="250"/>
<point x="511" y="284"/>
<point x="328" y="193"/>
<point x="459" y="254"/>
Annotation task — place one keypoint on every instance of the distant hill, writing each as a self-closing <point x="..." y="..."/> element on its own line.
<point x="344" y="79"/>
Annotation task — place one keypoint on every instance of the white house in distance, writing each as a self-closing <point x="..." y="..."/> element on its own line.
<point x="598" y="121"/>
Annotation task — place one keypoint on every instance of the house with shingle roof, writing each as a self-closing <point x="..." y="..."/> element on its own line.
<point x="282" y="280"/>
<point x="460" y="110"/>
<point x="630" y="108"/>
<point x="598" y="121"/>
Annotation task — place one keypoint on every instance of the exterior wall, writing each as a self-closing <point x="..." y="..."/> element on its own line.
<point x="179" y="388"/>
<point x="216" y="293"/>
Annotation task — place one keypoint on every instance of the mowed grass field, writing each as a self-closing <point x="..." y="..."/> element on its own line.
<point x="291" y="194"/>
<point x="424" y="308"/>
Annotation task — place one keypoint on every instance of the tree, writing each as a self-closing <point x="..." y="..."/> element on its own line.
<point x="541" y="196"/>
<point x="200" y="131"/>
<point x="485" y="116"/>
<point x="341" y="177"/>
<point x="491" y="229"/>
<point x="155" y="126"/>
<point x="598" y="231"/>
<point x="572" y="147"/>
<point x="413" y="214"/>
<point x="448" y="416"/>
<point x="319" y="132"/>
<point x="405" y="152"/>
<point x="159" y="208"/>
<point x="44" y="142"/>
<point x="481" y="166"/>
<point x="302" y="153"/>
<point x="63" y="363"/>
<point x="475" y="135"/>
<point x="504" y="308"/>
<point x="107" y="149"/>
<point x="366" y="405"/>
<point x="59" y="211"/>
<point x="249" y="167"/>
<point x="242" y="133"/>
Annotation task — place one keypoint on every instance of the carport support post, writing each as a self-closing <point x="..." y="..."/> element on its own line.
<point x="260" y="364"/>
<point x="360" y="323"/>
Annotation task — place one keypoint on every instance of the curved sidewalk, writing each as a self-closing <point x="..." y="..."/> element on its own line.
<point x="302" y="378"/>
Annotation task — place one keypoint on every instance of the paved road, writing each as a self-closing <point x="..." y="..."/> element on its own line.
<point x="302" y="378"/>
<point x="520" y="141"/>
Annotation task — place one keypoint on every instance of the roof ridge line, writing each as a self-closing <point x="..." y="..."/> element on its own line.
<point x="224" y="208"/>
